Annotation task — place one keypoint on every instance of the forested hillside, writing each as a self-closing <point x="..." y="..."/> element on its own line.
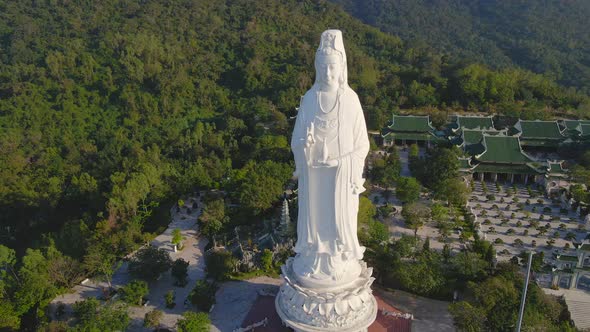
<point x="111" y="109"/>
<point x="550" y="37"/>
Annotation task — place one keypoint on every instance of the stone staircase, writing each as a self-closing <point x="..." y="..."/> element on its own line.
<point x="580" y="310"/>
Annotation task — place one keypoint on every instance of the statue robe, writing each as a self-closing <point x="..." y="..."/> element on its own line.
<point x="353" y="146"/>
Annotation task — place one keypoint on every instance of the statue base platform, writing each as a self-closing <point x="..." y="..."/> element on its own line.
<point x="351" y="308"/>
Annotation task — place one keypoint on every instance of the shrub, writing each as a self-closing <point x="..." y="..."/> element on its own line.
<point x="525" y="232"/>
<point x="170" y="298"/>
<point x="546" y="209"/>
<point x="498" y="241"/>
<point x="148" y="263"/>
<point x="193" y="322"/>
<point x="490" y="197"/>
<point x="220" y="265"/>
<point x="510" y="231"/>
<point x="152" y="318"/>
<point x="203" y="295"/>
<point x="133" y="292"/>
<point x="519" y="223"/>
<point x="266" y="260"/>
<point x="180" y="272"/>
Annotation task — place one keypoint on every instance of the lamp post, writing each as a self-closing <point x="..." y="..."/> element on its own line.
<point x="523" y="298"/>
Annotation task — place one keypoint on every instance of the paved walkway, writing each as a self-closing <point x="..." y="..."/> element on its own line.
<point x="192" y="252"/>
<point x="234" y="300"/>
<point x="578" y="304"/>
<point x="429" y="315"/>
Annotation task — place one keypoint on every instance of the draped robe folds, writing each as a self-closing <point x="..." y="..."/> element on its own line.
<point x="353" y="146"/>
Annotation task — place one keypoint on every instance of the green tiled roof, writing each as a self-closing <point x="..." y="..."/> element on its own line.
<point x="539" y="130"/>
<point x="585" y="129"/>
<point x="475" y="136"/>
<point x="567" y="258"/>
<point x="472" y="122"/>
<point x="475" y="149"/>
<point x="464" y="163"/>
<point x="503" y="149"/>
<point x="571" y="124"/>
<point x="506" y="168"/>
<point x="544" y="142"/>
<point x="556" y="168"/>
<point x="472" y="136"/>
<point x="411" y="123"/>
<point x="410" y="136"/>
<point x="585" y="247"/>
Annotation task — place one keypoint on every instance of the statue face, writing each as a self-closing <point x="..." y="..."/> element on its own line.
<point x="329" y="71"/>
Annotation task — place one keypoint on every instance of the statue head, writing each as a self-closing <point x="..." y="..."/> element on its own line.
<point x="330" y="60"/>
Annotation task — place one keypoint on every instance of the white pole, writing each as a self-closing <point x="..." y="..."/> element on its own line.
<point x="526" y="284"/>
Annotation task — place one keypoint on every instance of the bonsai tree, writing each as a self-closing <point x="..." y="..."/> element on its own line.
<point x="152" y="318"/>
<point x="177" y="239"/>
<point x="134" y="292"/>
<point x="193" y="322"/>
<point x="570" y="236"/>
<point x="180" y="272"/>
<point x="170" y="299"/>
<point x="148" y="263"/>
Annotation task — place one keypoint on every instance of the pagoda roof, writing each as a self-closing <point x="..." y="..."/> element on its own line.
<point x="539" y="130"/>
<point x="473" y="122"/>
<point x="411" y="123"/>
<point x="503" y="149"/>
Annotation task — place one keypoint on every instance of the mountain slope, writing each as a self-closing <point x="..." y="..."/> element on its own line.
<point x="548" y="36"/>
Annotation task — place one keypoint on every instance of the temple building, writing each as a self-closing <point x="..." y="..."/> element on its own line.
<point x="472" y="122"/>
<point x="540" y="133"/>
<point x="572" y="270"/>
<point x="502" y="158"/>
<point x="410" y="129"/>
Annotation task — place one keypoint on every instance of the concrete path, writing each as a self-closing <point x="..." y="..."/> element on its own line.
<point x="193" y="253"/>
<point x="234" y="300"/>
<point x="578" y="304"/>
<point x="429" y="315"/>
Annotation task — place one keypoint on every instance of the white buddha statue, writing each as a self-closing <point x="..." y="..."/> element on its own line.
<point x="330" y="144"/>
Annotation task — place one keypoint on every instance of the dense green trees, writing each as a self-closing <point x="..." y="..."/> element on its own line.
<point x="408" y="189"/>
<point x="491" y="32"/>
<point x="109" y="111"/>
<point x="134" y="292"/>
<point x="493" y="305"/>
<point x="149" y="262"/>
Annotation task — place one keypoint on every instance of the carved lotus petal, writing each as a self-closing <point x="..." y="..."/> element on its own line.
<point x="341" y="307"/>
<point x="329" y="307"/>
<point x="365" y="297"/>
<point x="355" y="302"/>
<point x="307" y="305"/>
<point x="322" y="309"/>
<point x="300" y="300"/>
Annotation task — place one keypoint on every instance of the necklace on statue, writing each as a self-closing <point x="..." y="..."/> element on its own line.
<point x="336" y="101"/>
